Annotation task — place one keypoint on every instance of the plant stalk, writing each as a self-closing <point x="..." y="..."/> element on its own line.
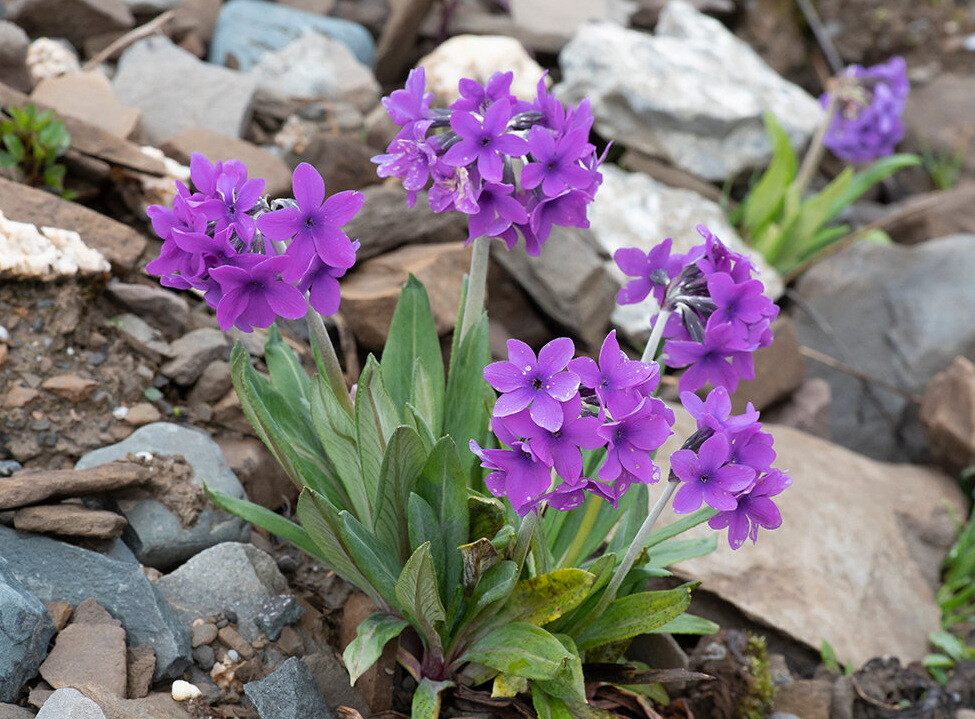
<point x="650" y="351"/>
<point x="636" y="546"/>
<point x="524" y="538"/>
<point x="476" y="284"/>
<point x="330" y="360"/>
<point x="815" y="152"/>
<point x="572" y="554"/>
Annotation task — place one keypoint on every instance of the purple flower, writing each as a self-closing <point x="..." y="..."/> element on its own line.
<point x="475" y="97"/>
<point x="409" y="160"/>
<point x="559" y="448"/>
<point x="556" y="167"/>
<point x="708" y="477"/>
<point x="715" y="411"/>
<point x="497" y="210"/>
<point x="410" y="104"/>
<point x="183" y="216"/>
<point x="321" y="282"/>
<point x="314" y="223"/>
<point x="514" y="474"/>
<point x="235" y="197"/>
<point x="869" y="104"/>
<point x="652" y="271"/>
<point x="452" y="190"/>
<point x="253" y="295"/>
<point x="482" y="140"/>
<point x="755" y="509"/>
<point x="541" y="383"/>
<point x="615" y="376"/>
<point x="633" y="437"/>
<point x="740" y="304"/>
<point x="568" y="210"/>
<point x="752" y="448"/>
<point x="721" y="358"/>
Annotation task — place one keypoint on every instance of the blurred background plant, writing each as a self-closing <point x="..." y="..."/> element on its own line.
<point x="32" y="144"/>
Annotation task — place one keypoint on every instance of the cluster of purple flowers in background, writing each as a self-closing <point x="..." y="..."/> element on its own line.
<point x="870" y="101"/>
<point x="552" y="407"/>
<point x="717" y="315"/>
<point x="727" y="464"/>
<point x="223" y="239"/>
<point x="468" y="157"/>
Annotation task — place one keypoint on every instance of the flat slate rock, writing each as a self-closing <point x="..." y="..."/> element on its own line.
<point x="87" y="654"/>
<point x="74" y="20"/>
<point x="155" y="533"/>
<point x="55" y="571"/>
<point x="25" y="630"/>
<point x="33" y="486"/>
<point x="70" y="520"/>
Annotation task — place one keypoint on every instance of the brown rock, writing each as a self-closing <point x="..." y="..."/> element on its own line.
<point x="158" y="705"/>
<point x="343" y="160"/>
<point x="808" y="409"/>
<point x="70" y="387"/>
<point x="231" y="639"/>
<point x="141" y="666"/>
<point x="931" y="215"/>
<point x="213" y="384"/>
<point x="332" y="680"/>
<point x="202" y="634"/>
<point x="3" y="353"/>
<point x="88" y="654"/>
<point x="263" y="479"/>
<point x="197" y="18"/>
<point x="376" y="683"/>
<point x="938" y="117"/>
<point x="143" y="413"/>
<point x="91" y="612"/>
<point x="33" y="486"/>
<point x="948" y="415"/>
<point x="18" y="396"/>
<point x="193" y="352"/>
<point x="13" y="56"/>
<point x="389" y="223"/>
<point x="60" y="612"/>
<point x="88" y="96"/>
<point x="779" y="370"/>
<point x="166" y="309"/>
<point x="290" y="642"/>
<point x="120" y="244"/>
<point x="369" y="295"/>
<point x="12" y="711"/>
<point x="260" y="162"/>
<point x="806" y="698"/>
<point x="69" y="520"/>
<point x="71" y="19"/>
<point x="228" y="413"/>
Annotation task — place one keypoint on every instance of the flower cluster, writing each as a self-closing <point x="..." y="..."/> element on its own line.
<point x="869" y="102"/>
<point x="223" y="240"/>
<point x="552" y="407"/>
<point x="727" y="464"/>
<point x="716" y="314"/>
<point x="512" y="166"/>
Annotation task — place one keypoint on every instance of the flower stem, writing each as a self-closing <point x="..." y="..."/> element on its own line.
<point x="650" y="351"/>
<point x="524" y="538"/>
<point x="572" y="554"/>
<point x="476" y="284"/>
<point x="815" y="152"/>
<point x="636" y="546"/>
<point x="326" y="352"/>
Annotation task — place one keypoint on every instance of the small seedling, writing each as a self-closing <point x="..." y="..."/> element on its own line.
<point x="32" y="144"/>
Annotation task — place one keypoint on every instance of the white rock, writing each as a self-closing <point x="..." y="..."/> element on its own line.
<point x="478" y="57"/>
<point x="693" y="93"/>
<point x="120" y="412"/>
<point x="144" y="190"/>
<point x="183" y="691"/>
<point x="45" y="254"/>
<point x="316" y="66"/>
<point x="69" y="703"/>
<point x="50" y="58"/>
<point x="634" y="210"/>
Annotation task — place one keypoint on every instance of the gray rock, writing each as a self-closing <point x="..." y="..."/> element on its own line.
<point x="246" y="29"/>
<point x="276" y="613"/>
<point x="193" y="352"/>
<point x="13" y="56"/>
<point x="151" y="7"/>
<point x="25" y="630"/>
<point x="634" y="210"/>
<point x="900" y="314"/>
<point x="12" y="711"/>
<point x="143" y="337"/>
<point x="55" y="571"/>
<point x="154" y="532"/>
<point x="316" y="66"/>
<point x="568" y="280"/>
<point x="165" y="308"/>
<point x="289" y="692"/>
<point x="238" y="577"/>
<point x="69" y="703"/>
<point x="178" y="92"/>
<point x="693" y="93"/>
<point x="74" y="20"/>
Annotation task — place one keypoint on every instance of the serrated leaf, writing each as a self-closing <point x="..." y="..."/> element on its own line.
<point x="520" y="649"/>
<point x="371" y="638"/>
<point x="495" y="585"/>
<point x="569" y="684"/>
<point x="635" y="614"/>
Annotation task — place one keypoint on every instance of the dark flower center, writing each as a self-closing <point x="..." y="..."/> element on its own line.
<point x="537" y="383"/>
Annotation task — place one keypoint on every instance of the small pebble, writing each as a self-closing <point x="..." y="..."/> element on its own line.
<point x="159" y="381"/>
<point x="96" y="358"/>
<point x="41" y="425"/>
<point x="4" y="334"/>
<point x="287" y="564"/>
<point x="37" y="325"/>
<point x="152" y="394"/>
<point x="231" y="615"/>
<point x="9" y="466"/>
<point x="70" y="351"/>
<point x="222" y="622"/>
<point x="184" y="690"/>
<point x="232" y="655"/>
<point x="120" y="412"/>
<point x="205" y="657"/>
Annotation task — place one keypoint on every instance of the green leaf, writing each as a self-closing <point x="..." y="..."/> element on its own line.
<point x="679" y="550"/>
<point x="377" y="564"/>
<point x="495" y="585"/>
<point x="548" y="707"/>
<point x="413" y="341"/>
<point x="635" y="614"/>
<point x="375" y="419"/>
<point x="7" y="160"/>
<point x="424" y="527"/>
<point x="948" y="643"/>
<point x="865" y="179"/>
<point x="266" y="519"/>
<point x="542" y="599"/>
<point x="402" y="464"/>
<point x="322" y="522"/>
<point x="687" y="624"/>
<point x="679" y="527"/>
<point x="371" y="638"/>
<point x="14" y="146"/>
<point x="54" y="176"/>
<point x="413" y="418"/>
<point x="569" y="684"/>
<point x="486" y="516"/>
<point x="765" y="199"/>
<point x="426" y="699"/>
<point x="468" y="402"/>
<point x="478" y="557"/>
<point x="417" y="592"/>
<point x="521" y="649"/>
<point x="337" y="434"/>
<point x="443" y="483"/>
<point x="287" y="375"/>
